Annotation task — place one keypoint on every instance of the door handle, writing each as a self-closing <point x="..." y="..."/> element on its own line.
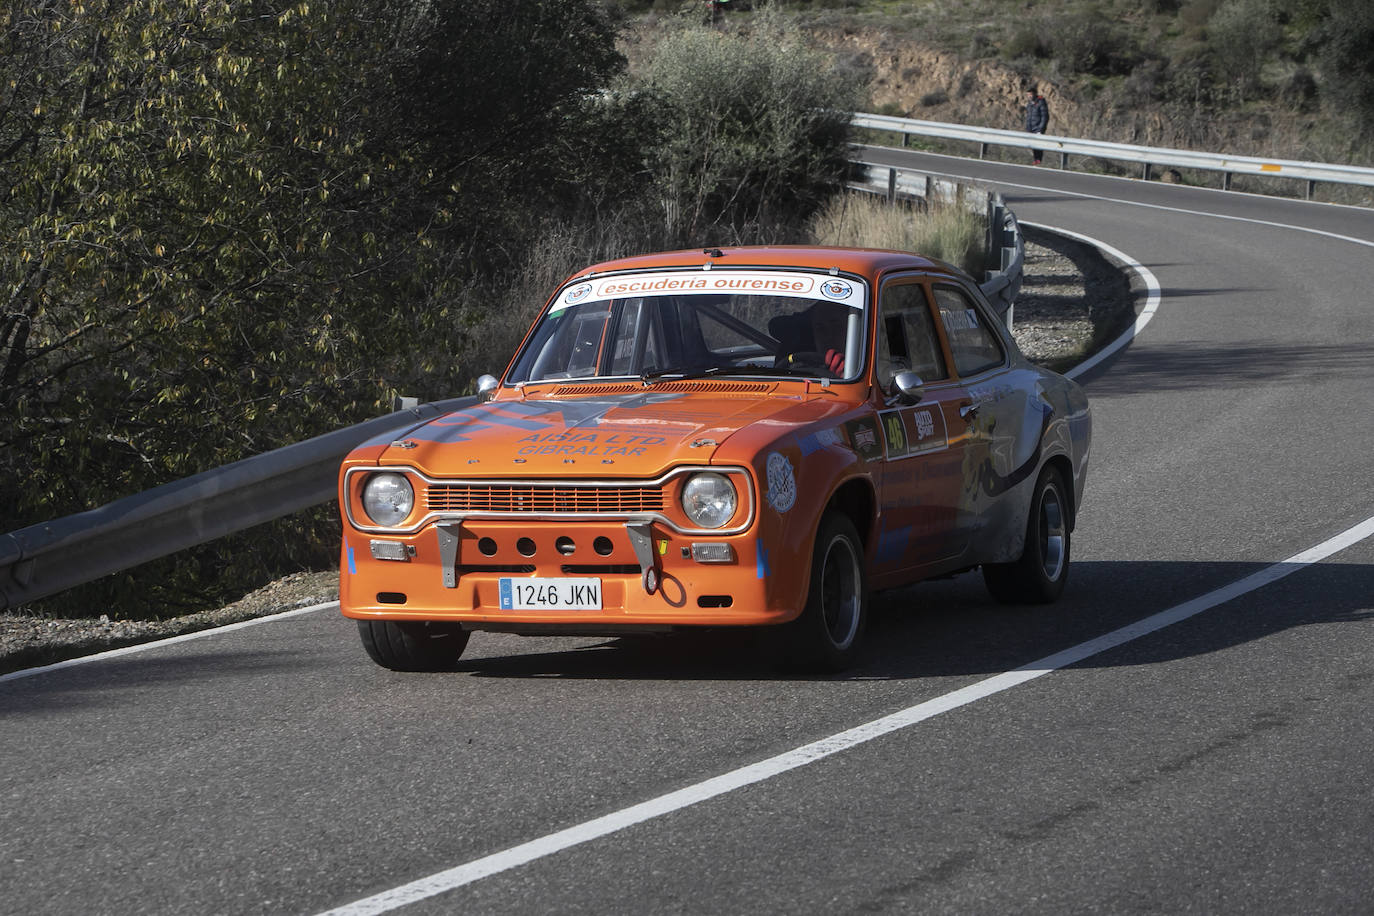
<point x="969" y="409"/>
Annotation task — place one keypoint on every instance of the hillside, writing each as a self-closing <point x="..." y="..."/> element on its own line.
<point x="1292" y="80"/>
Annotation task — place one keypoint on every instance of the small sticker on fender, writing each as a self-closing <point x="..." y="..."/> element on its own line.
<point x="782" y="483"/>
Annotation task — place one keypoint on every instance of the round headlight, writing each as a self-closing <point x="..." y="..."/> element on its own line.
<point x="388" y="498"/>
<point x="709" y="500"/>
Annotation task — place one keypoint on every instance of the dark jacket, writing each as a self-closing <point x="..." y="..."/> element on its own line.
<point x="1037" y="115"/>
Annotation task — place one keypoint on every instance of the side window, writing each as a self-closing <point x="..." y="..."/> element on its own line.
<point x="587" y="332"/>
<point x="906" y="336"/>
<point x="634" y="331"/>
<point x="974" y="345"/>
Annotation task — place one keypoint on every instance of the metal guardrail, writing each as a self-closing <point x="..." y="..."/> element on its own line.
<point x="1146" y="156"/>
<point x="48" y="558"/>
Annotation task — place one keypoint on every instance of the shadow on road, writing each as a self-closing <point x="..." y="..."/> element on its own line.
<point x="1192" y="366"/>
<point x="944" y="628"/>
<point x="952" y="628"/>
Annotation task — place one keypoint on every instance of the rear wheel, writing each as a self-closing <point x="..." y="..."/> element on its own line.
<point x="1038" y="577"/>
<point x="413" y="645"/>
<point x="827" y="635"/>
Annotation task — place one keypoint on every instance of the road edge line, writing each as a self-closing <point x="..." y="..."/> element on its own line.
<point x="1153" y="297"/>
<point x="166" y="641"/>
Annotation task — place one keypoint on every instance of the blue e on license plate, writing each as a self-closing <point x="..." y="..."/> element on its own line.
<point x="550" y="594"/>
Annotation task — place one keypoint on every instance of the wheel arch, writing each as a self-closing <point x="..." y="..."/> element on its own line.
<point x="1062" y="464"/>
<point x="855" y="499"/>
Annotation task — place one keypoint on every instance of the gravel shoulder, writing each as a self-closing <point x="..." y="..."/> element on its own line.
<point x="1072" y="301"/>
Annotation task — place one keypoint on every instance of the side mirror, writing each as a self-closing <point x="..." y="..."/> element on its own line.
<point x="486" y="386"/>
<point x="910" y="388"/>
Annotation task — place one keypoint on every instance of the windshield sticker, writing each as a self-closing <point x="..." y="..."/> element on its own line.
<point x="782" y="483"/>
<point x="837" y="289"/>
<point x="745" y="282"/>
<point x="577" y="293"/>
<point x="966" y="320"/>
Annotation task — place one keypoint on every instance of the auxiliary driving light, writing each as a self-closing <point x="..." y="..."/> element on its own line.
<point x="391" y="550"/>
<point x="713" y="553"/>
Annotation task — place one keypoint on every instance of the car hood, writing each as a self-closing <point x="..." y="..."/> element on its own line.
<point x="637" y="434"/>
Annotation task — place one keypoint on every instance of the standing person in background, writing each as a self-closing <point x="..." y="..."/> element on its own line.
<point x="1037" y="117"/>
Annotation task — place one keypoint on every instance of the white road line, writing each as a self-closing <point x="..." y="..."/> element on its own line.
<point x="1151" y="300"/>
<point x="144" y="646"/>
<point x="524" y="853"/>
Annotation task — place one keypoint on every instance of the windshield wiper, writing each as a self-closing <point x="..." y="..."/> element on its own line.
<point x="649" y="376"/>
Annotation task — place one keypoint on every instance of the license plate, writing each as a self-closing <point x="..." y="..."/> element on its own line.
<point x="550" y="594"/>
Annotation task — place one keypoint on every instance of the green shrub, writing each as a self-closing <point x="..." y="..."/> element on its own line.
<point x="754" y="127"/>
<point x="1241" y="35"/>
<point x="1344" y="42"/>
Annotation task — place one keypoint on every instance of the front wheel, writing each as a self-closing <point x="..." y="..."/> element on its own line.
<point x="413" y="645"/>
<point x="827" y="635"/>
<point x="1038" y="577"/>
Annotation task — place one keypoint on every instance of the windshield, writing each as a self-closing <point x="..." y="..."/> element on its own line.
<point x="698" y="323"/>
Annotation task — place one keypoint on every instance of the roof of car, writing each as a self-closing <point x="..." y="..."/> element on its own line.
<point x="866" y="261"/>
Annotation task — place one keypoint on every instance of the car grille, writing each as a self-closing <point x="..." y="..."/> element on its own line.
<point x="547" y="499"/>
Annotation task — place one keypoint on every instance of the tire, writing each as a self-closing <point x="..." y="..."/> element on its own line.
<point x="413" y="645"/>
<point x="1038" y="577"/>
<point x="828" y="634"/>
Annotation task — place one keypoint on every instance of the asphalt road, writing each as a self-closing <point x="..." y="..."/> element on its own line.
<point x="1223" y="763"/>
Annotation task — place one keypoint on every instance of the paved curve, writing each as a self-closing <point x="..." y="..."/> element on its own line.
<point x="1222" y="764"/>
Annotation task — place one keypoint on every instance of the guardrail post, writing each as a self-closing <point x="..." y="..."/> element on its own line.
<point x="1063" y="160"/>
<point x="891" y="186"/>
<point x="906" y="139"/>
<point x="1311" y="188"/>
<point x="1226" y="181"/>
<point x="1145" y="171"/>
<point x="982" y="151"/>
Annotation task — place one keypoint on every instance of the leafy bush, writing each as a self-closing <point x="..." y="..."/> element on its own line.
<point x="233" y="226"/>
<point x="1241" y="35"/>
<point x="754" y="128"/>
<point x="1090" y="43"/>
<point x="1344" y="43"/>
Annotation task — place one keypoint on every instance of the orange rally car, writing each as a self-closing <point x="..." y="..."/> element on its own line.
<point x="729" y="437"/>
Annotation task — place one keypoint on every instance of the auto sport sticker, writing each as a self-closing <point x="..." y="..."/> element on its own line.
<point x="782" y="483"/>
<point x="913" y="431"/>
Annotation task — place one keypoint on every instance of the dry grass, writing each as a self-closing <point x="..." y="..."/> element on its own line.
<point x="947" y="231"/>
